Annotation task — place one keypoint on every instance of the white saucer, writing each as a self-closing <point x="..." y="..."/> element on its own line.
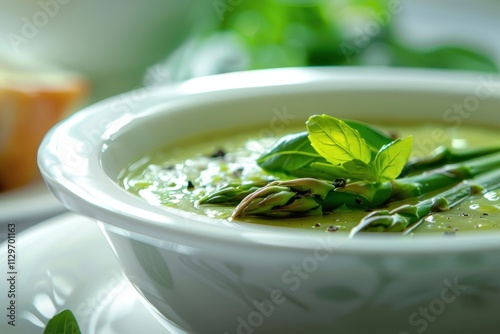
<point x="66" y="263"/>
<point x="32" y="203"/>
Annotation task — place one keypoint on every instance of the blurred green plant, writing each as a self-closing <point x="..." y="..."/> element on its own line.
<point x="287" y="33"/>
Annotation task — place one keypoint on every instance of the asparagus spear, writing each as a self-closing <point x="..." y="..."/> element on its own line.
<point x="286" y="199"/>
<point x="407" y="217"/>
<point x="307" y="196"/>
<point x="444" y="155"/>
<point x="232" y="194"/>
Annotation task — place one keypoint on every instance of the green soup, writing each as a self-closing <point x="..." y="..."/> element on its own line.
<point x="179" y="175"/>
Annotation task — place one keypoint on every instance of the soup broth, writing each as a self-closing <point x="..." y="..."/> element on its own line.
<point x="179" y="175"/>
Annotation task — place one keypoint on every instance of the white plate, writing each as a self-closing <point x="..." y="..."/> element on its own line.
<point x="33" y="203"/>
<point x="66" y="263"/>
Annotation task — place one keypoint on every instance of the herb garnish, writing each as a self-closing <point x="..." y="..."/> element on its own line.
<point x="293" y="155"/>
<point x="342" y="145"/>
<point x="62" y="323"/>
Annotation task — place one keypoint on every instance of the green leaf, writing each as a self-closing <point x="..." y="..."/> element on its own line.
<point x="359" y="170"/>
<point x="291" y="155"/>
<point x="374" y="137"/>
<point x="355" y="170"/>
<point x="392" y="158"/>
<point x="62" y="323"/>
<point x="333" y="171"/>
<point x="336" y="141"/>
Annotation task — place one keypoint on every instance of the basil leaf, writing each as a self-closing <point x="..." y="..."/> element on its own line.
<point x="291" y="155"/>
<point x="62" y="323"/>
<point x="355" y="170"/>
<point x="392" y="158"/>
<point x="372" y="136"/>
<point x="336" y="141"/>
<point x="332" y="171"/>
<point x="360" y="170"/>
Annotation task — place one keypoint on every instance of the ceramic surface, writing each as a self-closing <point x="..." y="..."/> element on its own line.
<point x="66" y="263"/>
<point x="216" y="277"/>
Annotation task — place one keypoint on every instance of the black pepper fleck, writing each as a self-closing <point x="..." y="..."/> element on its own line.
<point x="339" y="183"/>
<point x="190" y="185"/>
<point x="333" y="228"/>
<point x="219" y="153"/>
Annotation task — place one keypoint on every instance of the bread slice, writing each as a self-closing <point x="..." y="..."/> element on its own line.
<point x="31" y="102"/>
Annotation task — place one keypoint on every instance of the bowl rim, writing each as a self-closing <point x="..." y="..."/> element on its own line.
<point x="89" y="191"/>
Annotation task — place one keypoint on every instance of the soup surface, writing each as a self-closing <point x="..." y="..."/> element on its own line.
<point x="179" y="175"/>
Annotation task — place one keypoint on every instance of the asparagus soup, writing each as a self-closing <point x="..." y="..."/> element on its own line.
<point x="191" y="174"/>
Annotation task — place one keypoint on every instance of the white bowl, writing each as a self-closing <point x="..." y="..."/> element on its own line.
<point x="200" y="276"/>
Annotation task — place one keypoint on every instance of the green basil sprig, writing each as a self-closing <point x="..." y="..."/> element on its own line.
<point x="334" y="148"/>
<point x="341" y="145"/>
